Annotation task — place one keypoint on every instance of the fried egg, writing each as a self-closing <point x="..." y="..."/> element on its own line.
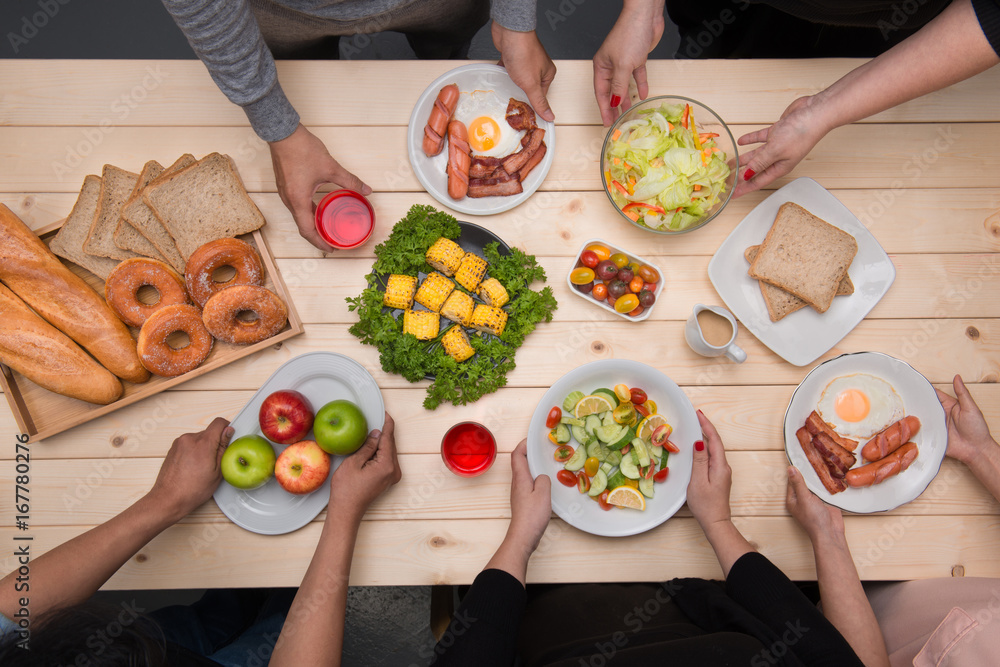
<point x="485" y="115"/>
<point x="859" y="406"/>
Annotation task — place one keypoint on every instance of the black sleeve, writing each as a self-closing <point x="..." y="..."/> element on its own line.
<point x="988" y="13"/>
<point x="764" y="590"/>
<point x="483" y="631"/>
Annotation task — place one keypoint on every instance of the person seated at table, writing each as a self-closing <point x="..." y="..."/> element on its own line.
<point x="239" y="40"/>
<point x="757" y="617"/>
<point x="226" y="627"/>
<point x="948" y="44"/>
<point x="948" y="621"/>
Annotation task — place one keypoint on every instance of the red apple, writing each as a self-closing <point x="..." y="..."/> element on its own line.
<point x="285" y="417"/>
<point x="302" y="468"/>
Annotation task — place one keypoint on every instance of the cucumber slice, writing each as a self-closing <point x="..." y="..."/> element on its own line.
<point x="593" y="422"/>
<point x="577" y="460"/>
<point x="598" y="484"/>
<point x="664" y="459"/>
<point x="607" y="418"/>
<point x="607" y="468"/>
<point x="646" y="487"/>
<point x="611" y="396"/>
<point x="655" y="450"/>
<point x="609" y="434"/>
<point x="570" y="420"/>
<point x="594" y="449"/>
<point x="628" y="468"/>
<point x="639" y="447"/>
<point x="581" y="435"/>
<point x="616" y="479"/>
<point x="615" y="457"/>
<point x="570" y="401"/>
<point x="626" y="437"/>
<point x="561" y="434"/>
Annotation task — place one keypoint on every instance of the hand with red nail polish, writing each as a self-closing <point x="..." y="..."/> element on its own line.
<point x="711" y="477"/>
<point x="623" y="55"/>
<point x="748" y="174"/>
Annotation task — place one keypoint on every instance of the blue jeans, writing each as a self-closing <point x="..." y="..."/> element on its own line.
<point x="233" y="627"/>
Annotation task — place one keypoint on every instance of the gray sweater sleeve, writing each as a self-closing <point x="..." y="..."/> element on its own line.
<point x="516" y="15"/>
<point x="225" y="36"/>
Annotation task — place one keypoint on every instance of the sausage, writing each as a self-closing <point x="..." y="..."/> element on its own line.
<point x="437" y="122"/>
<point x="891" y="438"/>
<point x="876" y="472"/>
<point x="459" y="159"/>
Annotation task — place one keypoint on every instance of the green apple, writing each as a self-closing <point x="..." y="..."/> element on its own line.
<point x="340" y="427"/>
<point x="248" y="462"/>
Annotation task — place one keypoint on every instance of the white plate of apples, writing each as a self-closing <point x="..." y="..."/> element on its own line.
<point x="291" y="436"/>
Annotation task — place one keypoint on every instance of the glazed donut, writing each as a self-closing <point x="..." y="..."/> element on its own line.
<point x="158" y="356"/>
<point x="214" y="255"/>
<point x="123" y="283"/>
<point x="222" y="310"/>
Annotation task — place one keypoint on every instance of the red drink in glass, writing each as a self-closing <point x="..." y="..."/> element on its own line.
<point x="468" y="449"/>
<point x="345" y="219"/>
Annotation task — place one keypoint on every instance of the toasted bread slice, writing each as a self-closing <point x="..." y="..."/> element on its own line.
<point x="138" y="214"/>
<point x="68" y="241"/>
<point x="202" y="203"/>
<point x="781" y="303"/>
<point x="116" y="186"/>
<point x="804" y="255"/>
<point x="128" y="237"/>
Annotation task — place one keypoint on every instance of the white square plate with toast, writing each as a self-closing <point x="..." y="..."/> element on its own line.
<point x="802" y="336"/>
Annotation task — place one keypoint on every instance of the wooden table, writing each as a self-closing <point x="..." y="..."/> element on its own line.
<point x="924" y="177"/>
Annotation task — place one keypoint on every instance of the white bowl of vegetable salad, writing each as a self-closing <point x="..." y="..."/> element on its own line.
<point x="666" y="165"/>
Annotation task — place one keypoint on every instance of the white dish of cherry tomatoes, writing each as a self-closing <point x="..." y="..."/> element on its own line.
<point x="600" y="266"/>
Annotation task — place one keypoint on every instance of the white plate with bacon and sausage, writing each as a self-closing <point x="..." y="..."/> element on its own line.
<point x="475" y="143"/>
<point x="867" y="432"/>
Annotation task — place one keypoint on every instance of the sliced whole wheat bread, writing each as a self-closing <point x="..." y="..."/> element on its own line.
<point x="202" y="203"/>
<point x="128" y="237"/>
<point x="804" y="255"/>
<point x="781" y="303"/>
<point x="116" y="186"/>
<point x="139" y="215"/>
<point x="68" y="241"/>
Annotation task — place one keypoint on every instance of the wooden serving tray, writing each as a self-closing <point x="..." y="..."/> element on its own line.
<point x="41" y="413"/>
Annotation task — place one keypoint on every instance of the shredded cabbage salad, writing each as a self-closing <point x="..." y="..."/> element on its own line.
<point x="661" y="172"/>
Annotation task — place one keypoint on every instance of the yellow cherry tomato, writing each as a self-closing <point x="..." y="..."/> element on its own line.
<point x="625" y="414"/>
<point x="602" y="251"/>
<point x="626" y="303"/>
<point x="581" y="276"/>
<point x="651" y="406"/>
<point x="623" y="392"/>
<point x="591" y="466"/>
<point x="620" y="259"/>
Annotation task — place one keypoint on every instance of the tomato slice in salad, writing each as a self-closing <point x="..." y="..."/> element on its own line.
<point x="602" y="500"/>
<point x="563" y="453"/>
<point x="582" y="482"/>
<point x="555" y="414"/>
<point x="566" y="478"/>
<point x="661" y="476"/>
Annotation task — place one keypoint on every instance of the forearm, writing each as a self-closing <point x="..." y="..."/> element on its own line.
<point x="845" y="604"/>
<point x="72" y="572"/>
<point x="949" y="49"/>
<point x="313" y="633"/>
<point x="512" y="557"/>
<point x="985" y="465"/>
<point x="727" y="542"/>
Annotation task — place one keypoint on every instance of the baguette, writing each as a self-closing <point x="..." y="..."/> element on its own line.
<point x="43" y="354"/>
<point x="62" y="298"/>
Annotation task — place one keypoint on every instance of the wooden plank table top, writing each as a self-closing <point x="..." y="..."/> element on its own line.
<point x="923" y="177"/>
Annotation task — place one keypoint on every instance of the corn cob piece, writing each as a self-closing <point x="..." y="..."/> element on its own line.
<point x="433" y="291"/>
<point x="489" y="319"/>
<point x="458" y="308"/>
<point x="399" y="291"/>
<point x="471" y="272"/>
<point x="445" y="256"/>
<point x="421" y="323"/>
<point x="493" y="293"/>
<point x="456" y="344"/>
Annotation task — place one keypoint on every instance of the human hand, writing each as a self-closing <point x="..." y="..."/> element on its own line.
<point x="968" y="433"/>
<point x="784" y="145"/>
<point x="530" y="501"/>
<point x="623" y="54"/>
<point x="528" y="65"/>
<point x="191" y="470"/>
<point x="366" y="473"/>
<point x="818" y="519"/>
<point x="711" y="479"/>
<point x="301" y="165"/>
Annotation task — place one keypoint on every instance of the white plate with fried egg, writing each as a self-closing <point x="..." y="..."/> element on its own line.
<point x="484" y="91"/>
<point x="858" y="395"/>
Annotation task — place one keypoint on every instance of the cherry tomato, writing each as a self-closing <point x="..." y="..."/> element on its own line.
<point x="619" y="259"/>
<point x="602" y="500"/>
<point x="600" y="291"/>
<point x="582" y="482"/>
<point x="566" y="478"/>
<point x="662" y="475"/>
<point x="649" y="286"/>
<point x="634" y="266"/>
<point x="625" y="414"/>
<point x="617" y="288"/>
<point x="591" y="466"/>
<point x="649" y="274"/>
<point x="649" y="471"/>
<point x="626" y="449"/>
<point x="637" y="396"/>
<point x="602" y="251"/>
<point x="627" y="303"/>
<point x="622" y="392"/>
<point x="606" y="270"/>
<point x="581" y="276"/>
<point x="555" y="414"/>
<point x="563" y="453"/>
<point x="585" y="288"/>
<point x="626" y="275"/>
<point x="552" y="438"/>
<point x="672" y="448"/>
<point x="611" y="300"/>
<point x="589" y="258"/>
<point x="651" y="406"/>
<point x="635" y="285"/>
<point x="646" y="298"/>
<point x="642" y="410"/>
<point x="636" y="312"/>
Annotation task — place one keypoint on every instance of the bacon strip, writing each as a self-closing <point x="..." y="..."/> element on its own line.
<point x="483" y="166"/>
<point x="520" y="115"/>
<point x="819" y="464"/>
<point x="532" y="163"/>
<point x="816" y="425"/>
<point x="838" y="459"/>
<point x="494" y="187"/>
<point x="514" y="163"/>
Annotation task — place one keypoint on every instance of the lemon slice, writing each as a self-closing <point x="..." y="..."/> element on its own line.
<point x="648" y="425"/>
<point x="594" y="404"/>
<point x="626" y="496"/>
